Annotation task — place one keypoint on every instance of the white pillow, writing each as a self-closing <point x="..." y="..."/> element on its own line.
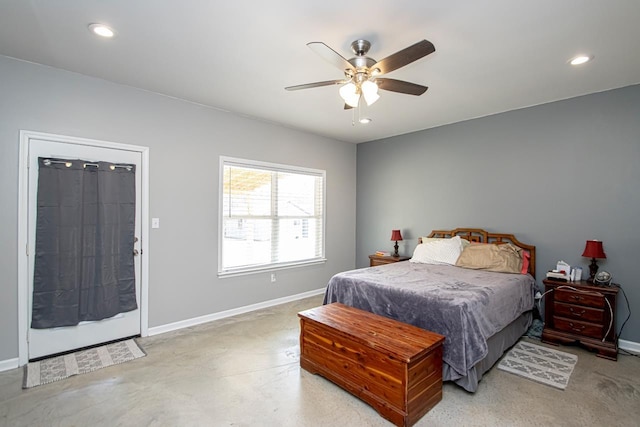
<point x="444" y="251"/>
<point x="464" y="242"/>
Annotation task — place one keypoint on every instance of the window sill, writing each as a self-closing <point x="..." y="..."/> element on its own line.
<point x="276" y="267"/>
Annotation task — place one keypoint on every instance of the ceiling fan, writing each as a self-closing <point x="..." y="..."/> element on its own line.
<point x="361" y="73"/>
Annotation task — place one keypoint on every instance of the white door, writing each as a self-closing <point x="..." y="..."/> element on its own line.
<point x="43" y="342"/>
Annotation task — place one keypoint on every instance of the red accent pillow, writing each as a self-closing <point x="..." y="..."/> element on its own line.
<point x="525" y="262"/>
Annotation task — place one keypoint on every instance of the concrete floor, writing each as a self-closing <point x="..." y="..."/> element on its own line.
<point x="243" y="371"/>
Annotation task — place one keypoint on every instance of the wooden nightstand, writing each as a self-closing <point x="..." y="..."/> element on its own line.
<point x="381" y="260"/>
<point x="583" y="313"/>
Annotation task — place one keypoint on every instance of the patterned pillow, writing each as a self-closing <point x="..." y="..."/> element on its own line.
<point x="444" y="251"/>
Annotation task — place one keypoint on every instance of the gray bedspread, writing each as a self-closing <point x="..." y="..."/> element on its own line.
<point x="466" y="306"/>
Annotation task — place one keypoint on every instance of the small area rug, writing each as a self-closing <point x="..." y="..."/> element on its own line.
<point x="541" y="364"/>
<point x="60" y="367"/>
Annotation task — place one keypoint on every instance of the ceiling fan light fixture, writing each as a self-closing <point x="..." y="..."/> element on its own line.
<point x="350" y="94"/>
<point x="370" y="92"/>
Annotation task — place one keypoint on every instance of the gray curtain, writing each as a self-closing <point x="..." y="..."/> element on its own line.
<point x="84" y="267"/>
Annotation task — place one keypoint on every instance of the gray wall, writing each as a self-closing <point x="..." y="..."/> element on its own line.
<point x="185" y="143"/>
<point x="554" y="175"/>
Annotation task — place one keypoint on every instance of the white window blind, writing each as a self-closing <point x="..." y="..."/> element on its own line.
<point x="271" y="216"/>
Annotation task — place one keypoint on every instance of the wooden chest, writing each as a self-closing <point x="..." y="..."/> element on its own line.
<point x="394" y="367"/>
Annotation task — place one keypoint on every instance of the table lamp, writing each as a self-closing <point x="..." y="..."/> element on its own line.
<point x="593" y="250"/>
<point x="397" y="236"/>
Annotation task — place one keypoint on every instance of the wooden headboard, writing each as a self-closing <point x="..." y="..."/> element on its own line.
<point x="479" y="235"/>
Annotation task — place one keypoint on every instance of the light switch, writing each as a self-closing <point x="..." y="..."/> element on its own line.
<point x="155" y="222"/>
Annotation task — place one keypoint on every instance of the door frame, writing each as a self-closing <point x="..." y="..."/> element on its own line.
<point x="23" y="229"/>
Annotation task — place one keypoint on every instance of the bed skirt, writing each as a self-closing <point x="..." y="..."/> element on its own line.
<point x="498" y="344"/>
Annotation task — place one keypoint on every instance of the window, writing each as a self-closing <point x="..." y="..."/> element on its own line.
<point x="271" y="216"/>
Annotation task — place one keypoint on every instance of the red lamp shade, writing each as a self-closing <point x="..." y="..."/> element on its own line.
<point x="594" y="249"/>
<point x="396" y="235"/>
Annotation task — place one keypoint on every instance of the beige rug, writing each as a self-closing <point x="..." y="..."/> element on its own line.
<point x="60" y="367"/>
<point x="542" y="364"/>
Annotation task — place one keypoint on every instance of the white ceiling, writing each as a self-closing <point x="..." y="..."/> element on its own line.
<point x="491" y="56"/>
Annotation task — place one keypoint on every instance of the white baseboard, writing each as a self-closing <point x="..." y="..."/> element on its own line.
<point x="5" y="365"/>
<point x="631" y="346"/>
<point x="233" y="312"/>
<point x="8" y="364"/>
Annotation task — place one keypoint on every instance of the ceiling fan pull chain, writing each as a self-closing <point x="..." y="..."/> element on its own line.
<point x="353" y="115"/>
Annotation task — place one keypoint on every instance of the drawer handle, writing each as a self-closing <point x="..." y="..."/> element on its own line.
<point x="576" y="297"/>
<point x="578" y="329"/>
<point x="575" y="312"/>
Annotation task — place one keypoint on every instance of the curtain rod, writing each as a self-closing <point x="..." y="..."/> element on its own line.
<point x="48" y="162"/>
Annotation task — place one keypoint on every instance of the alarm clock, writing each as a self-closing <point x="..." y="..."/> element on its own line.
<point x="603" y="278"/>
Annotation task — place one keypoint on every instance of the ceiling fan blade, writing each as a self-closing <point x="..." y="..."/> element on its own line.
<point x="401" y="86"/>
<point x="404" y="57"/>
<point x="331" y="56"/>
<point x="316" y="84"/>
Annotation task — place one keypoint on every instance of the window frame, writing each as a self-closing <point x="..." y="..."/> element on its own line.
<point x="273" y="167"/>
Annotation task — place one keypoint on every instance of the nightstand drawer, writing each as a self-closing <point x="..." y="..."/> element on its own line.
<point x="578" y="327"/>
<point x="582" y="298"/>
<point x="573" y="311"/>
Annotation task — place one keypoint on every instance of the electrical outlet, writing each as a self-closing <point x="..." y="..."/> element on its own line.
<point x="273" y="277"/>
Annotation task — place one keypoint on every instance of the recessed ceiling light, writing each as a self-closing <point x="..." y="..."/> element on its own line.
<point x="101" y="30"/>
<point x="580" y="59"/>
<point x="365" y="120"/>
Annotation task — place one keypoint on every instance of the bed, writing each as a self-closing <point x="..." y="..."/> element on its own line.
<point x="481" y="313"/>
